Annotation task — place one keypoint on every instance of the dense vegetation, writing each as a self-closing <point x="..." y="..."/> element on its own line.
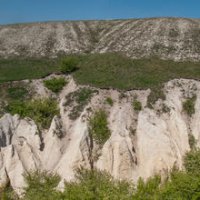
<point x="98" y="127"/>
<point x="180" y="185"/>
<point x="55" y="84"/>
<point x="41" y="110"/>
<point x="102" y="70"/>
<point x="117" y="71"/>
<point x="14" y="69"/>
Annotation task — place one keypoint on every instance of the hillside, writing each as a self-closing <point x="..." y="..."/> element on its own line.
<point x="168" y="38"/>
<point x="100" y="110"/>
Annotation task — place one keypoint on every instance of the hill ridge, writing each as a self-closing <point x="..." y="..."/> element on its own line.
<point x="167" y="38"/>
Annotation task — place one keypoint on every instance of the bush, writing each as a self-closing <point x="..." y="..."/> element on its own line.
<point x="147" y="190"/>
<point x="8" y="193"/>
<point x="192" y="141"/>
<point x="189" y="105"/>
<point x="137" y="105"/>
<point x="41" y="186"/>
<point x="192" y="162"/>
<point x="182" y="186"/>
<point x="156" y="93"/>
<point x="97" y="185"/>
<point x="55" y="84"/>
<point x="109" y="101"/>
<point x="41" y="110"/>
<point x="17" y="93"/>
<point x="98" y="127"/>
<point x="93" y="184"/>
<point x="89" y="185"/>
<point x="69" y="64"/>
<point x="77" y="101"/>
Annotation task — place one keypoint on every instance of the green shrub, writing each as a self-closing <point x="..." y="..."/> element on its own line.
<point x="148" y="190"/>
<point x="156" y="93"/>
<point x="69" y="64"/>
<point x="109" y="101"/>
<point x="41" y="186"/>
<point x="77" y="101"/>
<point x="192" y="141"/>
<point x="189" y="105"/>
<point x="137" y="106"/>
<point x="41" y="110"/>
<point x="192" y="162"/>
<point x="17" y="93"/>
<point x="98" y="127"/>
<point x="8" y="193"/>
<point x="94" y="184"/>
<point x="55" y="84"/>
<point x="90" y="184"/>
<point x="181" y="186"/>
<point x="97" y="185"/>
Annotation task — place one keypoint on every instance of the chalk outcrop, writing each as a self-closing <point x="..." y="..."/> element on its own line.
<point x="142" y="143"/>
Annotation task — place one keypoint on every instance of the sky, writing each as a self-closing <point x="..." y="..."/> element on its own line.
<point x="22" y="11"/>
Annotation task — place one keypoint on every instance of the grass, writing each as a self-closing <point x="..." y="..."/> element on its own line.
<point x="113" y="70"/>
<point x="15" y="69"/>
<point x="55" y="84"/>
<point x="108" y="70"/>
<point x="77" y="101"/>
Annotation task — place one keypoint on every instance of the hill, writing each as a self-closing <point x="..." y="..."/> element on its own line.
<point x="167" y="38"/>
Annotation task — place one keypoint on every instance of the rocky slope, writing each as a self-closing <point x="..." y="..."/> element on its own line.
<point x="168" y="38"/>
<point x="142" y="143"/>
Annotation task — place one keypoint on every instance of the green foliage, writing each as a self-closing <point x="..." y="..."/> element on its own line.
<point x="192" y="162"/>
<point x="137" y="106"/>
<point x="156" y="93"/>
<point x="89" y="185"/>
<point x="192" y="141"/>
<point x="17" y="93"/>
<point x="98" y="127"/>
<point x="7" y="193"/>
<point x="182" y="186"/>
<point x="40" y="110"/>
<point x="69" y="64"/>
<point x="93" y="184"/>
<point x="41" y="186"/>
<point x="97" y="185"/>
<point x="112" y="70"/>
<point x="148" y="190"/>
<point x="55" y="84"/>
<point x="107" y="70"/>
<point x="77" y="101"/>
<point x="14" y="69"/>
<point x="189" y="105"/>
<point x="109" y="101"/>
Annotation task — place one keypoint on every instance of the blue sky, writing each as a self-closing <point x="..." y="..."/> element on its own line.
<point x="15" y="11"/>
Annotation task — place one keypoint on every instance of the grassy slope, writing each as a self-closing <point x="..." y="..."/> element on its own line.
<point x="18" y="69"/>
<point x="112" y="70"/>
<point x="105" y="70"/>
